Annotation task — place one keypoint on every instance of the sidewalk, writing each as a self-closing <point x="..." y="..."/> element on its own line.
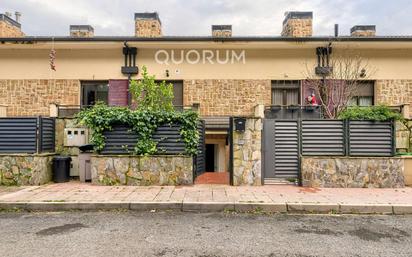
<point x="275" y="198"/>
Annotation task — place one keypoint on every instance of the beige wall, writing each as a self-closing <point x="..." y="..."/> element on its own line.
<point x="269" y="64"/>
<point x="28" y="86"/>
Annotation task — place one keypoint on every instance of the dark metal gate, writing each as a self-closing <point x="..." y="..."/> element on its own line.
<point x="281" y="149"/>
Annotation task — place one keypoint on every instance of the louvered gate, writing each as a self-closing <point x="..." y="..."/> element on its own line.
<point x="281" y="147"/>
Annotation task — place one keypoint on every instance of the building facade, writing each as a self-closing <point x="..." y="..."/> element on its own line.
<point x="222" y="74"/>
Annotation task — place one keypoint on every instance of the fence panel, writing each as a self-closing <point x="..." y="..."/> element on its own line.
<point x="122" y="141"/>
<point x="18" y="135"/>
<point x="47" y="134"/>
<point x="369" y="138"/>
<point x="323" y="137"/>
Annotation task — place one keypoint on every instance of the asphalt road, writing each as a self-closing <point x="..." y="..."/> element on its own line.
<point x="205" y="235"/>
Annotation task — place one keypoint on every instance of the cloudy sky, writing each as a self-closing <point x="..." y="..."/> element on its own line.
<point x="194" y="17"/>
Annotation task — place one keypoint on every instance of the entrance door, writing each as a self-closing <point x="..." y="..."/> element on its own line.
<point x="281" y="149"/>
<point x="210" y="157"/>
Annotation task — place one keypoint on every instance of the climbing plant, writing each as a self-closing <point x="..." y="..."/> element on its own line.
<point x="154" y="108"/>
<point x="150" y="95"/>
<point x="144" y="123"/>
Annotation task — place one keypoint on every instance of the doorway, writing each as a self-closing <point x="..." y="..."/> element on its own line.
<point x="211" y="157"/>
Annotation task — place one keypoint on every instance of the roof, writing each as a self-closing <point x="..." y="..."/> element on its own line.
<point x="30" y="39"/>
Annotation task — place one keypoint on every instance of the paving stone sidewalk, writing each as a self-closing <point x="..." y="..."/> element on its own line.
<point x="274" y="198"/>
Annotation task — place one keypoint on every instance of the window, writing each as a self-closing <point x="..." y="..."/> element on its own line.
<point x="177" y="92"/>
<point x="364" y="96"/>
<point x="285" y="92"/>
<point x="93" y="92"/>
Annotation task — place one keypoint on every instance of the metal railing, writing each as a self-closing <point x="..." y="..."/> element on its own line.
<point x="293" y="112"/>
<point x="69" y="111"/>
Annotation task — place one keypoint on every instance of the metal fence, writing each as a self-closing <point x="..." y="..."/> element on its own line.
<point x="27" y="135"/>
<point x="323" y="137"/>
<point x="121" y="140"/>
<point x="368" y="138"/>
<point x="285" y="140"/>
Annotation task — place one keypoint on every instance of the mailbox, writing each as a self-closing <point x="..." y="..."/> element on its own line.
<point x="75" y="136"/>
<point x="240" y="124"/>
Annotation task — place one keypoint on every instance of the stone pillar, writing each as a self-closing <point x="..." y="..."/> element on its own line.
<point x="222" y="31"/>
<point x="81" y="31"/>
<point x="297" y="24"/>
<point x="54" y="110"/>
<point x="247" y="154"/>
<point x="260" y="111"/>
<point x="363" y="31"/>
<point x="147" y="25"/>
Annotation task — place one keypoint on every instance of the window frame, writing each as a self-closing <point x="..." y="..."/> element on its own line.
<point x="288" y="85"/>
<point x="85" y="83"/>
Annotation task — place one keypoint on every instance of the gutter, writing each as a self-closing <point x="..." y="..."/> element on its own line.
<point x="29" y="40"/>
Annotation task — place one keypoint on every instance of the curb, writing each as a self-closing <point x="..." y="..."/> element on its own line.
<point x="293" y="208"/>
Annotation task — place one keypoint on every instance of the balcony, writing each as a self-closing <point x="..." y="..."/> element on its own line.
<point x="293" y="112"/>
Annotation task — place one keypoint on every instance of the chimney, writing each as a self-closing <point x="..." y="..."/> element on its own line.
<point x="10" y="27"/>
<point x="221" y="30"/>
<point x="18" y="16"/>
<point x="147" y="25"/>
<point x="297" y="24"/>
<point x="81" y="31"/>
<point x="363" y="31"/>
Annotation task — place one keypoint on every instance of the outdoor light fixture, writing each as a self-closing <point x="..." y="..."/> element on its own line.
<point x="323" y="55"/>
<point x="363" y="73"/>
<point x="129" y="67"/>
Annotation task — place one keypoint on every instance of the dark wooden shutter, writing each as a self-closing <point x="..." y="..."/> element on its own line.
<point x="178" y="93"/>
<point x="118" y="92"/>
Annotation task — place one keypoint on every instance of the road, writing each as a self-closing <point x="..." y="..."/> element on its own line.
<point x="164" y="234"/>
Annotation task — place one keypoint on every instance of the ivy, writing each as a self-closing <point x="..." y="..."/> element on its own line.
<point x="143" y="123"/>
<point x="375" y="113"/>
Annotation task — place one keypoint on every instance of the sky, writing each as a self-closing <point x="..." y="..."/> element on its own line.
<point x="195" y="17"/>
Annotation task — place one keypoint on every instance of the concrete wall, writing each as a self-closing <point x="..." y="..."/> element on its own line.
<point x="25" y="169"/>
<point x="141" y="170"/>
<point x="408" y="170"/>
<point x="247" y="154"/>
<point x="354" y="172"/>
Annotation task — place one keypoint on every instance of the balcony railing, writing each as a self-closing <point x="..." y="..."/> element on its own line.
<point x="69" y="111"/>
<point x="293" y="112"/>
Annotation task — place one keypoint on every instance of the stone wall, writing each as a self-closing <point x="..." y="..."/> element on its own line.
<point x="247" y="154"/>
<point x="353" y="172"/>
<point x="297" y="28"/>
<point x="81" y="33"/>
<point x="148" y="28"/>
<point x="393" y="92"/>
<point x="227" y="97"/>
<point x="25" y="169"/>
<point x="142" y="170"/>
<point x="8" y="30"/>
<point x="33" y="97"/>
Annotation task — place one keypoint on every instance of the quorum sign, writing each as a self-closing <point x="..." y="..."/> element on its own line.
<point x="194" y="56"/>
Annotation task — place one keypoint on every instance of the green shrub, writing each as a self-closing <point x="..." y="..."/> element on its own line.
<point x="376" y="113"/>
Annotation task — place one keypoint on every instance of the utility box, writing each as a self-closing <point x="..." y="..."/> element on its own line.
<point x="85" y="171"/>
<point x="74" y="166"/>
<point x="75" y="136"/>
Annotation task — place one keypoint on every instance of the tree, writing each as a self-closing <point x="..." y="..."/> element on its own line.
<point x="340" y="80"/>
<point x="150" y="95"/>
